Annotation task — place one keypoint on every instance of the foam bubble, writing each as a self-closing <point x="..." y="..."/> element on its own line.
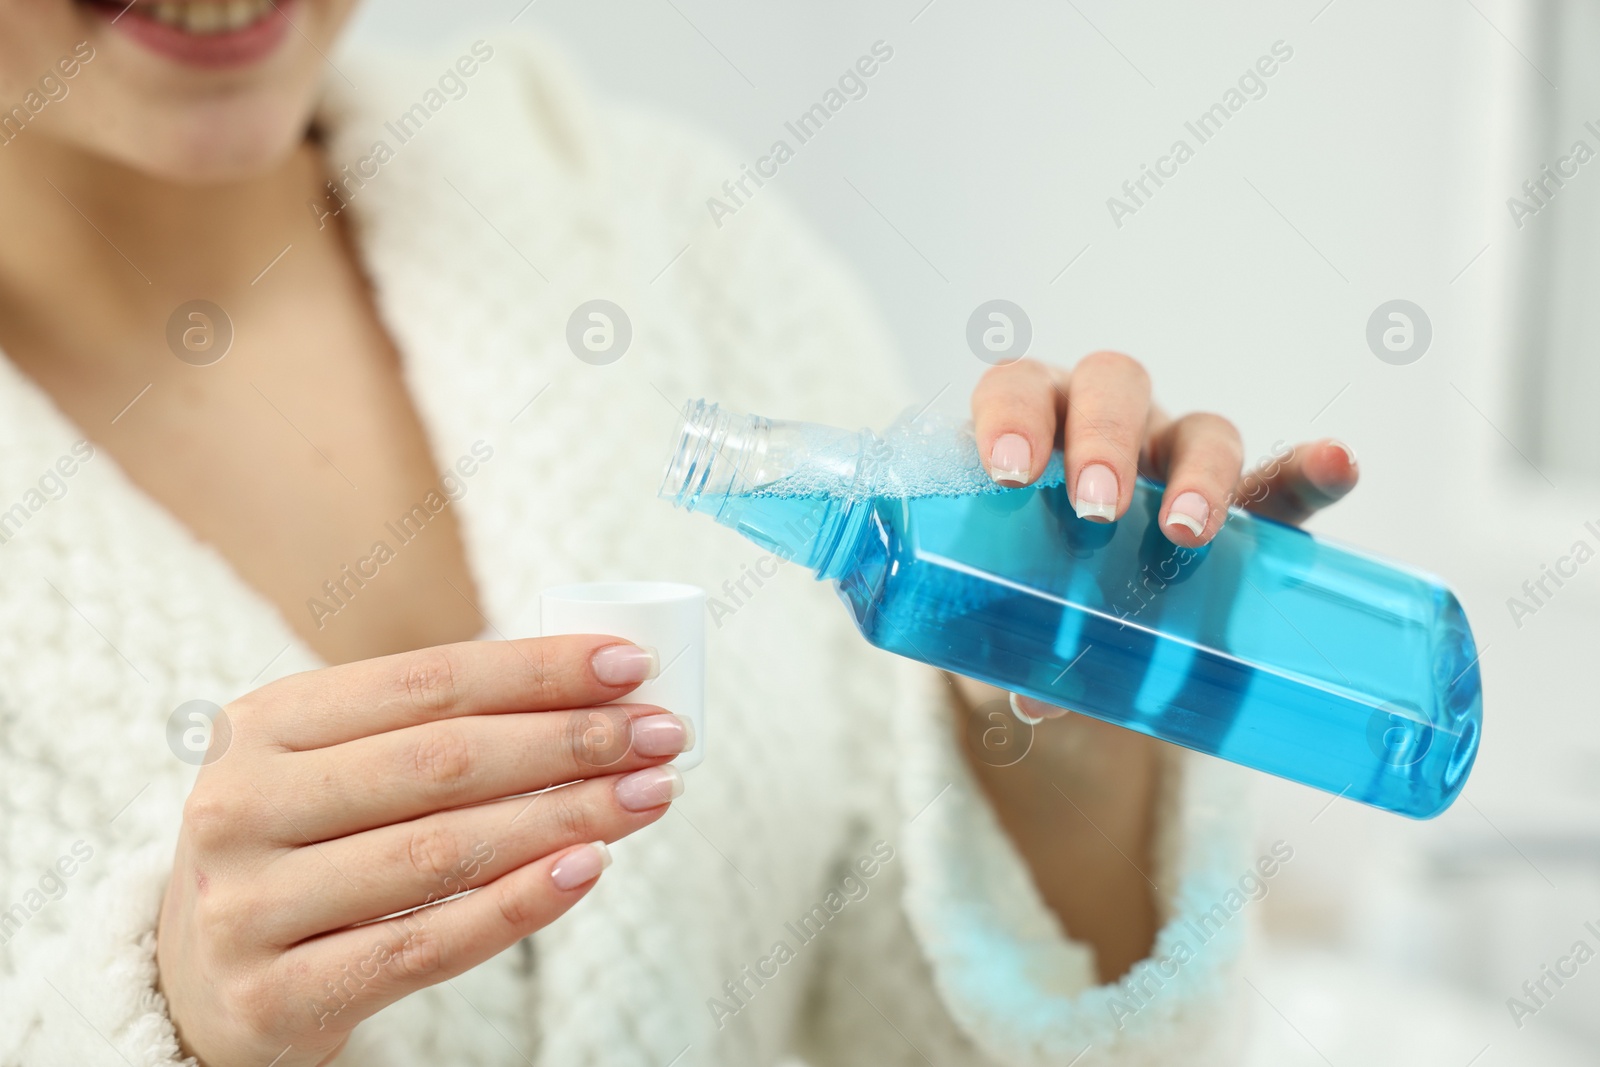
<point x="927" y="454"/>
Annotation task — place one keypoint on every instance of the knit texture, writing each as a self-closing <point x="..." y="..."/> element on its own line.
<point x="826" y="758"/>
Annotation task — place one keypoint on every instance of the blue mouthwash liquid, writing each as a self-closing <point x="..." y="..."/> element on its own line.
<point x="1268" y="647"/>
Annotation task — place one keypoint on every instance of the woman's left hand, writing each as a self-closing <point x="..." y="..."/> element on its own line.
<point x="1080" y="808"/>
<point x="1101" y="415"/>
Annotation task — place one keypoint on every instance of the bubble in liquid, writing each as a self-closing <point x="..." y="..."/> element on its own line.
<point x="920" y="454"/>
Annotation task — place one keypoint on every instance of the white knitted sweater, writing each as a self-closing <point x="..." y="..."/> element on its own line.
<point x="481" y="234"/>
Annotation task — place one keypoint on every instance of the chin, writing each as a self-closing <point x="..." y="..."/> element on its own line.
<point x="188" y="91"/>
<point x="213" y="144"/>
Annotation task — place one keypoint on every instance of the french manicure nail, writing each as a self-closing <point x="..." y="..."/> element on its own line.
<point x="650" y="788"/>
<point x="1033" y="711"/>
<point x="583" y="864"/>
<point x="625" y="664"/>
<point x="1097" y="493"/>
<point x="1341" y="446"/>
<point x="1019" y="712"/>
<point x="1190" y="511"/>
<point x="1011" y="459"/>
<point x="662" y="735"/>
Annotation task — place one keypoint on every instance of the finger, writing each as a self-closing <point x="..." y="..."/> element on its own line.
<point x="403" y="774"/>
<point x="1033" y="712"/>
<point x="393" y="868"/>
<point x="1108" y="401"/>
<point x="1200" y="456"/>
<point x="1294" y="487"/>
<point x="338" y="704"/>
<point x="1015" y="412"/>
<point x="358" y="972"/>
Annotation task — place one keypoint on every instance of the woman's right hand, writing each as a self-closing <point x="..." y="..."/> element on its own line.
<point x="349" y="794"/>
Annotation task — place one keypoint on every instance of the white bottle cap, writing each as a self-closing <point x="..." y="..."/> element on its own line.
<point x="669" y="617"/>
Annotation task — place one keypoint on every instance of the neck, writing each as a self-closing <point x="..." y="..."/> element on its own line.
<point x="87" y="238"/>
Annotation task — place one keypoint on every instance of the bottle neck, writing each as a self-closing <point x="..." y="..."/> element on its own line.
<point x="787" y="486"/>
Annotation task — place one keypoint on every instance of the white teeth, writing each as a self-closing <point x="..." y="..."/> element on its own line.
<point x="206" y="17"/>
<point x="202" y="18"/>
<point x="239" y="14"/>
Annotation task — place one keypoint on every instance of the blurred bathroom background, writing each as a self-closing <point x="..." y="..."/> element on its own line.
<point x="1378" y="163"/>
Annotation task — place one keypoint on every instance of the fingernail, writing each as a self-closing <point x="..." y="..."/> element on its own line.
<point x="583" y="864"/>
<point x="1097" y="493"/>
<point x="1016" y="709"/>
<point x="643" y="790"/>
<point x="1341" y="446"/>
<point x="1011" y="459"/>
<point x="1190" y="510"/>
<point x="625" y="664"/>
<point x="662" y="735"/>
<point x="1033" y="711"/>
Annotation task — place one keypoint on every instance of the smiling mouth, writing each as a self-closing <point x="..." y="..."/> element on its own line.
<point x="204" y="33"/>
<point x="202" y="18"/>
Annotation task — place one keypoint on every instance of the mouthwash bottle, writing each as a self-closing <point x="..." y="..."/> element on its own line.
<point x="1268" y="647"/>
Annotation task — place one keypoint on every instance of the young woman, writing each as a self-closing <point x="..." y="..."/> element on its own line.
<point x="289" y="423"/>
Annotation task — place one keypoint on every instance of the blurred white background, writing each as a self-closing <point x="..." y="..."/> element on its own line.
<point x="1377" y="166"/>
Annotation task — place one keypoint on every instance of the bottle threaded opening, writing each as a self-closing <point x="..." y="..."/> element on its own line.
<point x="716" y="453"/>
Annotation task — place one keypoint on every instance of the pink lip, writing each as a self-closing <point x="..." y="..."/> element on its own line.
<point x="218" y="51"/>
